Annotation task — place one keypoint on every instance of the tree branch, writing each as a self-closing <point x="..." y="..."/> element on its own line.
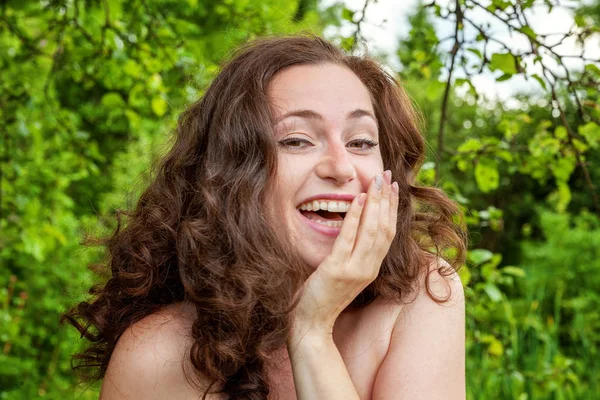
<point x="443" y="117"/>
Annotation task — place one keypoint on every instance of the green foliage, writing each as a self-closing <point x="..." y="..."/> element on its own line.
<point x="537" y="336"/>
<point x="532" y="295"/>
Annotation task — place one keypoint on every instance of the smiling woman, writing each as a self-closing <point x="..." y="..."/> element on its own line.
<point x="284" y="249"/>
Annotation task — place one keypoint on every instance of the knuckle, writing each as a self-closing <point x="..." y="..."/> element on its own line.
<point x="373" y="275"/>
<point x="372" y="232"/>
<point x="364" y="275"/>
<point x="388" y="232"/>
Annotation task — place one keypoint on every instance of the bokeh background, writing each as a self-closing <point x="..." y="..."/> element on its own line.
<point x="90" y="91"/>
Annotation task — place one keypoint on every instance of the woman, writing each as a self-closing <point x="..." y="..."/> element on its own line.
<point x="273" y="257"/>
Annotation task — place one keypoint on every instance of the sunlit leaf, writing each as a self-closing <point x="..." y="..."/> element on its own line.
<point x="480" y="256"/>
<point x="159" y="105"/>
<point x="493" y="292"/>
<point x="348" y="14"/>
<point x="515" y="271"/>
<point x="486" y="174"/>
<point x="591" y="133"/>
<point x="504" y="62"/>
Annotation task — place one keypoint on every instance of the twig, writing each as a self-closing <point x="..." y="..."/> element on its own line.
<point x="358" y="23"/>
<point x="570" y="136"/>
<point x="455" y="48"/>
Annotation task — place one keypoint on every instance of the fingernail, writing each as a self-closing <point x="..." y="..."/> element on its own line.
<point x="395" y="188"/>
<point x="387" y="177"/>
<point x="378" y="181"/>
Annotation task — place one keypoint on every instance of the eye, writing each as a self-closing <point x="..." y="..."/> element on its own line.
<point x="294" y="143"/>
<point x="364" y="145"/>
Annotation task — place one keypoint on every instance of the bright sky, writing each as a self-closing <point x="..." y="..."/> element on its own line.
<point x="386" y="23"/>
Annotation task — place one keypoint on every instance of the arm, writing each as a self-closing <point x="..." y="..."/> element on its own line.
<point x="426" y="359"/>
<point x="319" y="370"/>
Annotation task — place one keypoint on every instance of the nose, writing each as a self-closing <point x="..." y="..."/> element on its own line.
<point x="336" y="164"/>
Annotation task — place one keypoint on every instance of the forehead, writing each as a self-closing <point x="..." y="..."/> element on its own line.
<point x="329" y="88"/>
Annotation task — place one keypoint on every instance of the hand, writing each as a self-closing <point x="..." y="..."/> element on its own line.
<point x="354" y="262"/>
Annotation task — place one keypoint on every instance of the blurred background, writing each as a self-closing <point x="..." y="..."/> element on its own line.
<point x="90" y="91"/>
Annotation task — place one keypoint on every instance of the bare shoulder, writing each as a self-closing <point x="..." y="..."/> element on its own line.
<point x="443" y="282"/>
<point x="150" y="358"/>
<point x="438" y="292"/>
<point x="428" y="341"/>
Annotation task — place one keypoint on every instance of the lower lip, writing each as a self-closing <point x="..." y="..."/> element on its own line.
<point x="325" y="230"/>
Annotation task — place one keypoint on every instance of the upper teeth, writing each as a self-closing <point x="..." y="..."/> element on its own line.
<point x="326" y="205"/>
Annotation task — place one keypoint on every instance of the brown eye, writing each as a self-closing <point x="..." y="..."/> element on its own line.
<point x="294" y="143"/>
<point x="364" y="145"/>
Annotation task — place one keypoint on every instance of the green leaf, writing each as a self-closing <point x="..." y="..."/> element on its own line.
<point x="592" y="69"/>
<point x="476" y="52"/>
<point x="465" y="275"/>
<point x="112" y="100"/>
<point x="540" y="80"/>
<point x="580" y="20"/>
<point x="470" y="146"/>
<point x="505" y="155"/>
<point x="495" y="348"/>
<point x="480" y="256"/>
<point x="493" y="292"/>
<point x="564" y="196"/>
<point x="504" y="62"/>
<point x="560" y="132"/>
<point x="528" y="31"/>
<point x="462" y="165"/>
<point x="348" y="14"/>
<point x="486" y="174"/>
<point x="580" y="146"/>
<point x="159" y="106"/>
<point x="514" y="271"/>
<point x="347" y="43"/>
<point x="563" y="168"/>
<point x="132" y="68"/>
<point x="498" y="5"/>
<point x="591" y="133"/>
<point x="561" y="197"/>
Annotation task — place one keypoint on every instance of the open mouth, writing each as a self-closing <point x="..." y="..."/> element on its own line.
<point x="324" y="215"/>
<point x="326" y="218"/>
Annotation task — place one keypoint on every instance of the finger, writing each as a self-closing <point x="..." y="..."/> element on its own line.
<point x="386" y="231"/>
<point x="344" y="243"/>
<point x="369" y="224"/>
<point x="394" y="200"/>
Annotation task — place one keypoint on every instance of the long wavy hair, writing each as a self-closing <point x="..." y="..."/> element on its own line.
<point x="201" y="231"/>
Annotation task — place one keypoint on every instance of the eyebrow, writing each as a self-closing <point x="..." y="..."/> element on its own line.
<point x="310" y="114"/>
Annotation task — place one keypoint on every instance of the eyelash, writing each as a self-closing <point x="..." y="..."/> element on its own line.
<point x="371" y="143"/>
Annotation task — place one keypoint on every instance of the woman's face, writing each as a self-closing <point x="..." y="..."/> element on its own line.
<point x="326" y="132"/>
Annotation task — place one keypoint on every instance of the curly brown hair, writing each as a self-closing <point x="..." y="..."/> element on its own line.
<point x="201" y="232"/>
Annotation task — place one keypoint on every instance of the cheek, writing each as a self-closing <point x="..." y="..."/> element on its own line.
<point x="369" y="169"/>
<point x="290" y="171"/>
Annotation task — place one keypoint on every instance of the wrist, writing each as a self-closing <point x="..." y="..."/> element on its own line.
<point x="309" y="339"/>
